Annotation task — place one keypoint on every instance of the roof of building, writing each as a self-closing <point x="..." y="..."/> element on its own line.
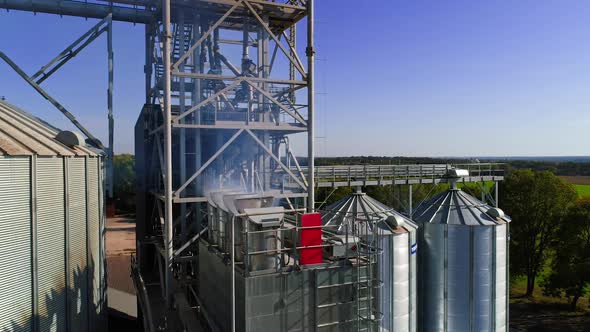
<point x="359" y="208"/>
<point x="456" y="207"/>
<point x="22" y="134"/>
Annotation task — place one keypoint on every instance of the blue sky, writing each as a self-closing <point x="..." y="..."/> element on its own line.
<point x="413" y="78"/>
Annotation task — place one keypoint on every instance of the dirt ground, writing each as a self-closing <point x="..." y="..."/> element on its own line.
<point x="120" y="244"/>
<point x="542" y="318"/>
<point x="576" y="179"/>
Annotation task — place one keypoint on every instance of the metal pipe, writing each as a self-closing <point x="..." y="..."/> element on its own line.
<point x="81" y="9"/>
<point x="182" y="106"/>
<point x="143" y="296"/>
<point x="496" y="193"/>
<point x="410" y="198"/>
<point x="168" y="152"/>
<point x="111" y="150"/>
<point x="196" y="96"/>
<point x="310" y="110"/>
<point x="233" y="276"/>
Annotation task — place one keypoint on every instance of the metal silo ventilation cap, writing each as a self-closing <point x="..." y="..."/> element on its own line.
<point x="454" y="174"/>
<point x="457" y="173"/>
<point x="70" y="138"/>
<point x="495" y="213"/>
<point x="395" y="220"/>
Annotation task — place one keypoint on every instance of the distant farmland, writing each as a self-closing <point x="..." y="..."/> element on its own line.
<point x="582" y="184"/>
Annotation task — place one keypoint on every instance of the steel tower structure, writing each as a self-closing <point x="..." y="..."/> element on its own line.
<point x="225" y="87"/>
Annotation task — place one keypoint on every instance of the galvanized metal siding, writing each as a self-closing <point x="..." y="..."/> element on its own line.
<point x="15" y="244"/>
<point x="483" y="272"/>
<point x="458" y="301"/>
<point x="94" y="262"/>
<point x="433" y="277"/>
<point x="51" y="244"/>
<point x="501" y="282"/>
<point x="400" y="283"/>
<point x="102" y="223"/>
<point x="78" y="273"/>
<point x="413" y="282"/>
<point x="101" y="268"/>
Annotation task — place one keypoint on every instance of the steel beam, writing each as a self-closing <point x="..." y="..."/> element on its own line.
<point x="205" y="165"/>
<point x="285" y="168"/>
<point x="211" y="98"/>
<point x="296" y="61"/>
<point x="72" y="50"/>
<point x="189" y="242"/>
<point x="204" y="36"/>
<point x="81" y="9"/>
<point x="293" y="113"/>
<point x="234" y="78"/>
<point x="55" y="103"/>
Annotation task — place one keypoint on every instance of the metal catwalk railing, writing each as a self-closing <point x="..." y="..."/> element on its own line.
<point x="354" y="175"/>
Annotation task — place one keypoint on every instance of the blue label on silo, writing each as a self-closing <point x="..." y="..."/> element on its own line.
<point x="413" y="248"/>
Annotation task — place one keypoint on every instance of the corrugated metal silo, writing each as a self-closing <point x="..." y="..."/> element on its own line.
<point x="395" y="272"/>
<point x="463" y="264"/>
<point x="52" y="262"/>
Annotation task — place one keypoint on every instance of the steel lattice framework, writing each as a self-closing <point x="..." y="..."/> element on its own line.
<point x="226" y="86"/>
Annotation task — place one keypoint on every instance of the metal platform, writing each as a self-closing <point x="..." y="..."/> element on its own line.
<point x="379" y="175"/>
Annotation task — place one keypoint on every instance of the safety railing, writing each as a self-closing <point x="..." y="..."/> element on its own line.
<point x="387" y="173"/>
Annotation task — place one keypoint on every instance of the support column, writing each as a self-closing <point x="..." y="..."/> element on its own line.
<point x="263" y="64"/>
<point x="496" y="193"/>
<point x="148" y="62"/>
<point x="310" y="109"/>
<point x="168" y="227"/>
<point x="111" y="152"/>
<point x="410" y="197"/>
<point x="182" y="140"/>
<point x="196" y="99"/>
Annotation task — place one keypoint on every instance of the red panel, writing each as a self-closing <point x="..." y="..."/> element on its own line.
<point x="311" y="237"/>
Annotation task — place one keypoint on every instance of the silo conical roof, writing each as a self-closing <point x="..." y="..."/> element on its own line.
<point x="456" y="207"/>
<point x="361" y="208"/>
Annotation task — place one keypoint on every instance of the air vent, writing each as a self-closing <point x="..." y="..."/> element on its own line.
<point x="395" y="220"/>
<point x="70" y="138"/>
<point x="495" y="213"/>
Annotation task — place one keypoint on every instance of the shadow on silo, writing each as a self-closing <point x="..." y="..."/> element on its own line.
<point x="85" y="312"/>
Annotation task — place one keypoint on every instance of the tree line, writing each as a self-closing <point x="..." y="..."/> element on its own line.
<point x="550" y="229"/>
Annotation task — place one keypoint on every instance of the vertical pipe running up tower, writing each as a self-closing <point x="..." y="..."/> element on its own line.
<point x="310" y="109"/>
<point x="111" y="152"/>
<point x="168" y="158"/>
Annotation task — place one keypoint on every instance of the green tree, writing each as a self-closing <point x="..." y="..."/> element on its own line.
<point x="537" y="203"/>
<point x="570" y="274"/>
<point x="124" y="182"/>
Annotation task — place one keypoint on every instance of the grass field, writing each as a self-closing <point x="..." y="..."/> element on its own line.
<point x="582" y="184"/>
<point x="583" y="190"/>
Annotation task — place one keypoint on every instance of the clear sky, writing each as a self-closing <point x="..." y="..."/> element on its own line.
<point x="412" y="78"/>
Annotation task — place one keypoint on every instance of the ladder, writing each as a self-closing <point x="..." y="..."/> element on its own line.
<point x="348" y="304"/>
